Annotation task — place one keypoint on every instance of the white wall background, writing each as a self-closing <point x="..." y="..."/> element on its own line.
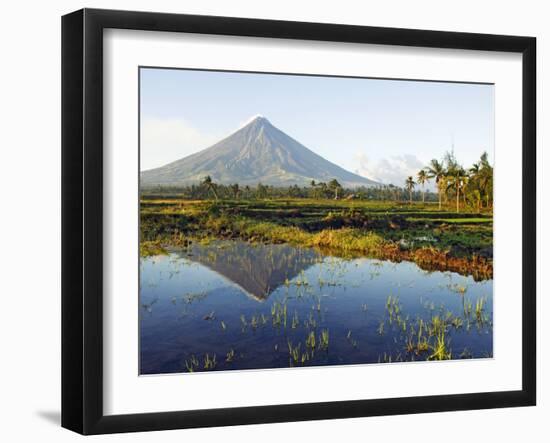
<point x="30" y="217"/>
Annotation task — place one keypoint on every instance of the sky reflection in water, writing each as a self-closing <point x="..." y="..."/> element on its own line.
<point x="227" y="299"/>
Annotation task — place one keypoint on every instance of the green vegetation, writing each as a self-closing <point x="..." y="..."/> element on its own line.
<point x="210" y="185"/>
<point x="210" y="362"/>
<point x="451" y="230"/>
<point x="467" y="189"/>
<point x="426" y="336"/>
<point x="418" y="232"/>
<point x="230" y="356"/>
<point x="453" y="181"/>
<point x="148" y="248"/>
<point x="324" y="339"/>
<point x="455" y="234"/>
<point x="422" y="178"/>
<point x="409" y="185"/>
<point x="192" y="364"/>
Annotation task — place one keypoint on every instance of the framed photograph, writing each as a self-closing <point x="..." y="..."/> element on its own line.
<point x="269" y="221"/>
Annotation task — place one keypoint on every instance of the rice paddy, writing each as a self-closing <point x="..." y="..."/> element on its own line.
<point x="433" y="238"/>
<point x="234" y="305"/>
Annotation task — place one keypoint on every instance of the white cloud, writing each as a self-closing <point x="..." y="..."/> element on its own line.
<point x="392" y="170"/>
<point x="166" y="140"/>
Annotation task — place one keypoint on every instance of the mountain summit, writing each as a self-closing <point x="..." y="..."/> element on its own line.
<point x="257" y="152"/>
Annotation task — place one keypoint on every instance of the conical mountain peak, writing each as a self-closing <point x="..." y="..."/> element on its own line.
<point x="257" y="152"/>
<point x="260" y="119"/>
<point x="257" y="123"/>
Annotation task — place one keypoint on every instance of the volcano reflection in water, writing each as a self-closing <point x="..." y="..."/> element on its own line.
<point x="250" y="304"/>
<point x="256" y="269"/>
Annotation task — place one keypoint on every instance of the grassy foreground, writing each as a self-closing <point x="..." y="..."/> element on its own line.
<point x="434" y="239"/>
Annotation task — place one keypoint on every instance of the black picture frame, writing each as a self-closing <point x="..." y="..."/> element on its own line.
<point x="82" y="218"/>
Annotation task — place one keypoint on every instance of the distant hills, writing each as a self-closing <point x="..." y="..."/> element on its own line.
<point x="258" y="152"/>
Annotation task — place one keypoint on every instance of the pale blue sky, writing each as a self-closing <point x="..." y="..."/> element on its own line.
<point x="382" y="129"/>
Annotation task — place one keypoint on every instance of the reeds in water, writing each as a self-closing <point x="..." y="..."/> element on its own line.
<point x="192" y="364"/>
<point x="324" y="340"/>
<point x="209" y="362"/>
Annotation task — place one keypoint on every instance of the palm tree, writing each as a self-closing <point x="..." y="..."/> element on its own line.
<point x="436" y="170"/>
<point x="409" y="185"/>
<point x="261" y="191"/>
<point x="394" y="191"/>
<point x="210" y="185"/>
<point x="422" y="178"/>
<point x="486" y="177"/>
<point x="236" y="190"/>
<point x="334" y="186"/>
<point x="323" y="189"/>
<point x="474" y="185"/>
<point x="457" y="180"/>
<point x="476" y="167"/>
<point x="314" y="185"/>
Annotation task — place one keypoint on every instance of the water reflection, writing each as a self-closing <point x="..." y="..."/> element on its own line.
<point x="258" y="269"/>
<point x="200" y="310"/>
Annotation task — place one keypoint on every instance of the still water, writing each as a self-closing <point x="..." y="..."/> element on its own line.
<point x="234" y="305"/>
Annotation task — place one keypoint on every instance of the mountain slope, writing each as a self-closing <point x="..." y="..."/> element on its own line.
<point x="258" y="152"/>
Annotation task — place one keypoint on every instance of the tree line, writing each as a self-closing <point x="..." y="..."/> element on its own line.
<point x="471" y="187"/>
<point x="209" y="189"/>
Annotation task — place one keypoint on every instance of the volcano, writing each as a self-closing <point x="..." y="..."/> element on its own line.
<point x="256" y="153"/>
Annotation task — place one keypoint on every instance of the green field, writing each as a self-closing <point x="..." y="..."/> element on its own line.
<point x="433" y="238"/>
